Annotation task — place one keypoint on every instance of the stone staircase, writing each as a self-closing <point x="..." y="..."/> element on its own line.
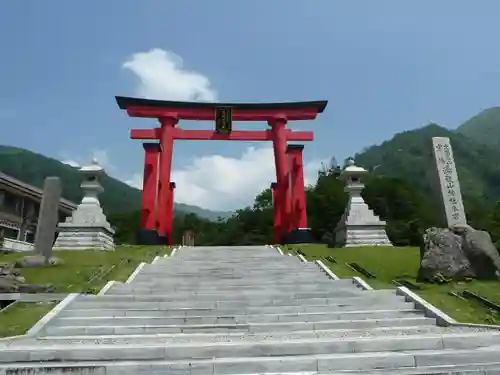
<point x="245" y="310"/>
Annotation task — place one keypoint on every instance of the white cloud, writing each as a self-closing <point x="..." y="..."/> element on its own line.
<point x="213" y="182"/>
<point x="162" y="76"/>
<point x="102" y="158"/>
<point x="100" y="155"/>
<point x="217" y="182"/>
<point x="135" y="181"/>
<point x="71" y="163"/>
<point x="225" y="183"/>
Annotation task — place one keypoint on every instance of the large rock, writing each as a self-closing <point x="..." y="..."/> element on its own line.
<point x="37" y="261"/>
<point x="442" y="255"/>
<point x="482" y="254"/>
<point x="11" y="281"/>
<point x="8" y="285"/>
<point x="456" y="254"/>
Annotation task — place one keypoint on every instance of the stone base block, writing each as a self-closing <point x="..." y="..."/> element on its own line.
<point x="352" y="236"/>
<point x="150" y="237"/>
<point x="84" y="239"/>
<point x="298" y="235"/>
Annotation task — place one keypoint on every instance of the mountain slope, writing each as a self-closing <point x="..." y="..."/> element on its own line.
<point x="484" y="127"/>
<point x="408" y="155"/>
<point x="32" y="168"/>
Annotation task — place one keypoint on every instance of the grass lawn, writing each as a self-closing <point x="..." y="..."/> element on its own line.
<point x="389" y="263"/>
<point x="20" y="317"/>
<point x="83" y="271"/>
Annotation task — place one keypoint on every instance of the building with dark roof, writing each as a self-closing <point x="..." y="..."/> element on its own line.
<point x="20" y="206"/>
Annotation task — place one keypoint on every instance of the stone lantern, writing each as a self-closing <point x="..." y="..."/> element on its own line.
<point x="359" y="226"/>
<point x="87" y="228"/>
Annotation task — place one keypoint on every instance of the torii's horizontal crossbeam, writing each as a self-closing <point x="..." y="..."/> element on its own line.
<point x="236" y="135"/>
<point x="207" y="114"/>
<point x="137" y="107"/>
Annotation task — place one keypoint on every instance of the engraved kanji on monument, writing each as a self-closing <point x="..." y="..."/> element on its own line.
<point x="449" y="185"/>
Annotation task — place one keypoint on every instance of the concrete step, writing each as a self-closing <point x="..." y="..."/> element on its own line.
<point x="472" y="369"/>
<point x="296" y="277"/>
<point x="227" y="368"/>
<point x="243" y="258"/>
<point x="232" y="328"/>
<point x="219" y="289"/>
<point x="251" y="295"/>
<point x="131" y="311"/>
<point x="163" y="367"/>
<point x="221" y="266"/>
<point x="446" y="345"/>
<point x="277" y="264"/>
<point x="322" y="279"/>
<point x="258" y="258"/>
<point x="233" y="319"/>
<point x="265" y="276"/>
<point x="162" y="302"/>
<point x="317" y="276"/>
<point x="227" y="256"/>
<point x="207" y="275"/>
<point x="208" y="251"/>
<point x="280" y="263"/>
<point x="237" y="336"/>
<point x="324" y="283"/>
<point x="237" y="266"/>
<point x="264" y="259"/>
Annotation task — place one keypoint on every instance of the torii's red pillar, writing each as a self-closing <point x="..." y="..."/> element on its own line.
<point x="299" y="230"/>
<point x="150" y="186"/>
<point x="281" y="160"/>
<point x="170" y="217"/>
<point x="299" y="212"/>
<point x="276" y="215"/>
<point x="164" y="193"/>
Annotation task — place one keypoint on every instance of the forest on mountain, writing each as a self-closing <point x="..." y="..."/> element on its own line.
<point x="406" y="208"/>
<point x="398" y="189"/>
<point x="32" y="168"/>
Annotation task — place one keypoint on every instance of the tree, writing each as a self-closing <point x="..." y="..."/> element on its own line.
<point x="325" y="203"/>
<point x="406" y="208"/>
<point x="494" y="224"/>
<point x="264" y="201"/>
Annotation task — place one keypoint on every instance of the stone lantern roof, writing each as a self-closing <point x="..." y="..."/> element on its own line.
<point x="93" y="167"/>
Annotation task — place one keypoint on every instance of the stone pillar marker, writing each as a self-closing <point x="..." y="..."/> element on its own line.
<point x="358" y="226"/>
<point x="48" y="218"/>
<point x="449" y="186"/>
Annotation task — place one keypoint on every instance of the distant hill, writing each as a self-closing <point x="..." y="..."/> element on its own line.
<point x="484" y="127"/>
<point x="408" y="155"/>
<point x="118" y="196"/>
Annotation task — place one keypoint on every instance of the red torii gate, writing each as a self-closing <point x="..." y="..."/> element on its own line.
<point x="290" y="216"/>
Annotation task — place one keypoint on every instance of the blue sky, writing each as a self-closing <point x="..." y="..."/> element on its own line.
<point x="384" y="66"/>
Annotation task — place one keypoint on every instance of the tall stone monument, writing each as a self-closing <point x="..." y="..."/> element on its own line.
<point x="359" y="226"/>
<point x="88" y="227"/>
<point x="48" y="217"/>
<point x="447" y="181"/>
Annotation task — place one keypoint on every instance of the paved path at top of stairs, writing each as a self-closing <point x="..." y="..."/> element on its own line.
<point x="246" y="310"/>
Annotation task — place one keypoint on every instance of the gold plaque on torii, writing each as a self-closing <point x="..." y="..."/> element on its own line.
<point x="223" y="119"/>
